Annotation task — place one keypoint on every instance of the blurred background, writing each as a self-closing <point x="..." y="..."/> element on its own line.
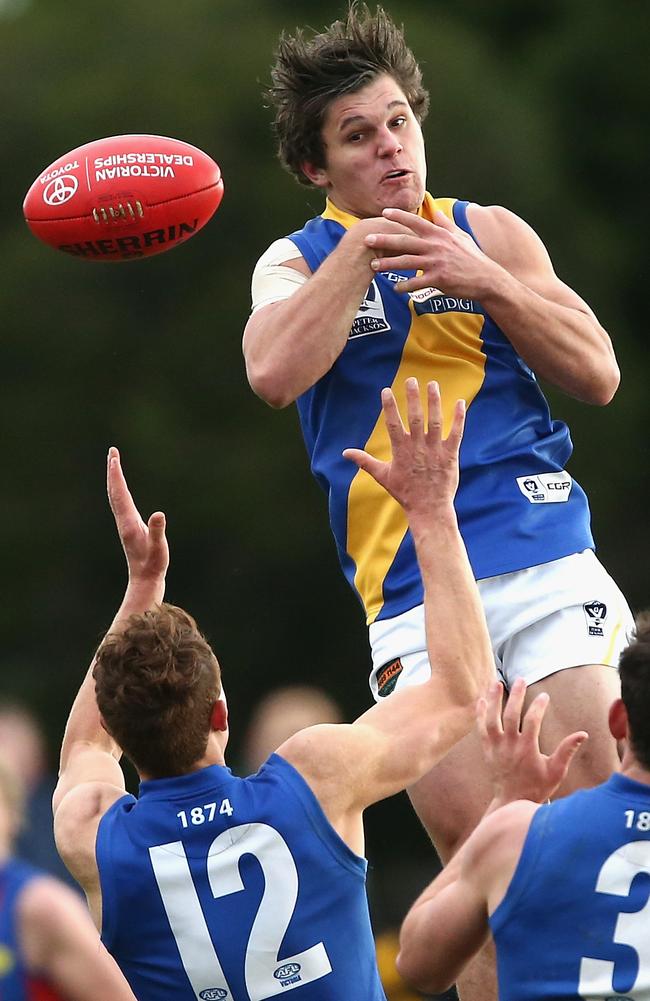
<point x="541" y="105"/>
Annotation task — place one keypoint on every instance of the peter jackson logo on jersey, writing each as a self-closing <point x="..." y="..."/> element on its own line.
<point x="371" y="315"/>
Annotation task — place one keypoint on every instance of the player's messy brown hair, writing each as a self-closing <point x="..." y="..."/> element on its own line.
<point x="634" y="669"/>
<point x="309" y="73"/>
<point x="156" y="683"/>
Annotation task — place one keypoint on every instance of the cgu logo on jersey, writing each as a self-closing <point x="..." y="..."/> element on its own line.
<point x="287" y="974"/>
<point x="213" y="994"/>
<point x="546" y="488"/>
<point x="371" y="315"/>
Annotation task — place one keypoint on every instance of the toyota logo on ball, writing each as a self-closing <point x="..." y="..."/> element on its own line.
<point x="60" y="190"/>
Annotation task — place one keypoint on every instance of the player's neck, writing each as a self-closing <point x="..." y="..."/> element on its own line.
<point x="632" y="769"/>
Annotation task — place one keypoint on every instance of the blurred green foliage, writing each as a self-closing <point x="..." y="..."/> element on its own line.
<point x="539" y="105"/>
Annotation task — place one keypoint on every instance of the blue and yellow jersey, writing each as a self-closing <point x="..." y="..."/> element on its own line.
<point x="516" y="505"/>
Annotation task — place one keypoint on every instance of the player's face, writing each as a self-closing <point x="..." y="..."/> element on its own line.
<point x="374" y="152"/>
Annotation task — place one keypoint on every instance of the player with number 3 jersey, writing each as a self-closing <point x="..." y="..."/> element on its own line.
<point x="564" y="888"/>
<point x="212" y="887"/>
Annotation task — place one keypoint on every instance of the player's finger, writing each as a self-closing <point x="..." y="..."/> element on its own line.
<point x="394" y="425"/>
<point x="489" y="721"/>
<point x="367" y="462"/>
<point x="440" y="219"/>
<point x="414" y="223"/>
<point x="532" y="721"/>
<point x="434" y="414"/>
<point x="393" y="243"/>
<point x="156" y="524"/>
<point x="514" y="706"/>
<point x="455" y="436"/>
<point x="560" y="760"/>
<point x="400" y="262"/>
<point x="414" y="410"/>
<point x="119" y="495"/>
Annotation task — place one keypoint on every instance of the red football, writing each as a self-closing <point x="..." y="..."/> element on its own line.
<point x="124" y="197"/>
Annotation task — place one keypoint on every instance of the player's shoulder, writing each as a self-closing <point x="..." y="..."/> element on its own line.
<point x="504" y="236"/>
<point x="76" y="822"/>
<point x="279" y="252"/>
<point x="313" y="751"/>
<point x="500" y="836"/>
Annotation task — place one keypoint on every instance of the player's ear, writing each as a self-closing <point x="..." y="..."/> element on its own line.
<point x="317" y="175"/>
<point x="618" y="720"/>
<point x="219" y="716"/>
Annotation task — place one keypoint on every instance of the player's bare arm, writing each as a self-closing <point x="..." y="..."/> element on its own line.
<point x="399" y="740"/>
<point x="288" y="345"/>
<point x="59" y="942"/>
<point x="90" y="776"/>
<point x="448" y="923"/>
<point x="548" y="324"/>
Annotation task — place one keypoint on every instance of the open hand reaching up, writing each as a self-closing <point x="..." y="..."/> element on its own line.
<point x="145" y="545"/>
<point x="422" y="473"/>
<point x="511" y="745"/>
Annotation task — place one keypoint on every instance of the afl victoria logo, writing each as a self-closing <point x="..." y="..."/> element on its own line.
<point x="60" y="190"/>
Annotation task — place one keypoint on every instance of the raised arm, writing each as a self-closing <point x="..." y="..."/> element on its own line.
<point x="448" y="923"/>
<point x="289" y="344"/>
<point x="90" y="776"/>
<point x="403" y="736"/>
<point x="548" y="324"/>
<point x="88" y="752"/>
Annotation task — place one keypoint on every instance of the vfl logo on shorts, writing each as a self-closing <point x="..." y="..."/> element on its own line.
<point x="596" y="613"/>
<point x="387" y="677"/>
<point x="546" y="488"/>
<point x="371" y="315"/>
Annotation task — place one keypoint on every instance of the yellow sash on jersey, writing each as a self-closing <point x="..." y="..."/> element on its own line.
<point x="446" y="347"/>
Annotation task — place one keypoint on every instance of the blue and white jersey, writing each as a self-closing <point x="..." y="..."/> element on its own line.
<point x="574" y="924"/>
<point x="517" y="505"/>
<point x="225" y="889"/>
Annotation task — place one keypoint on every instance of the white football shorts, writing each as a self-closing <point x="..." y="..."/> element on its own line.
<point x="541" y="620"/>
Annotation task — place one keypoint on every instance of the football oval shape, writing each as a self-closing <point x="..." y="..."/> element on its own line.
<point x="124" y="197"/>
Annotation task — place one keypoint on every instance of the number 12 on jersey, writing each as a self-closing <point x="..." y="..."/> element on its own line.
<point x="265" y="974"/>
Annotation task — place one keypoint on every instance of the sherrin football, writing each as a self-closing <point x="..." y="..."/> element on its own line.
<point x="123" y="198"/>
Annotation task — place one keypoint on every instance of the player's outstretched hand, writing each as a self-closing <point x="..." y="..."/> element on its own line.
<point x="145" y="545"/>
<point x="423" y="469"/>
<point x="511" y="745"/>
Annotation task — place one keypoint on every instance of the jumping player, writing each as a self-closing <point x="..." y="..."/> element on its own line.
<point x="391" y="282"/>
<point x="209" y="886"/>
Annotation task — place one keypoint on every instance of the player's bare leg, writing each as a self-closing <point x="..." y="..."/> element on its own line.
<point x="580" y="700"/>
<point x="450" y="801"/>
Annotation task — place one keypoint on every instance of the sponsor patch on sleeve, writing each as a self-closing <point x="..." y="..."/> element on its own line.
<point x="546" y="488"/>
